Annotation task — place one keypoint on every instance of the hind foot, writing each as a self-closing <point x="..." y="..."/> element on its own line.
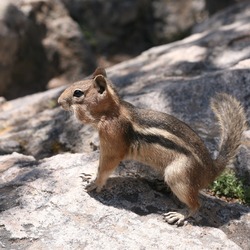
<point x="177" y="218"/>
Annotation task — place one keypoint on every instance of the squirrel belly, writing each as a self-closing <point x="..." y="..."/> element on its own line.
<point x="157" y="139"/>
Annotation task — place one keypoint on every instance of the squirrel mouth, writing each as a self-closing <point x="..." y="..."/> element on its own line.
<point x="65" y="105"/>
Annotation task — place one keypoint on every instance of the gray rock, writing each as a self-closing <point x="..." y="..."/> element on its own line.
<point x="226" y="17"/>
<point x="43" y="202"/>
<point x="66" y="48"/>
<point x="115" y="28"/>
<point x="49" y="208"/>
<point x="22" y="57"/>
<point x="34" y="125"/>
<point x="213" y="6"/>
<point x="135" y="24"/>
<point x="40" y="45"/>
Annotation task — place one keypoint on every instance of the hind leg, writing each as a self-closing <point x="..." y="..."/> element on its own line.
<point x="180" y="216"/>
<point x="179" y="180"/>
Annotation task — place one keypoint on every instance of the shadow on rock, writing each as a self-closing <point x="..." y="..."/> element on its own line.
<point x="22" y="171"/>
<point x="145" y="197"/>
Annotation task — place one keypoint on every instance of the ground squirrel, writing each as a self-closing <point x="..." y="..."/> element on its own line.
<point x="157" y="139"/>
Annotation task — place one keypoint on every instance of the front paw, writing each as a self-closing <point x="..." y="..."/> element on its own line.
<point x="93" y="186"/>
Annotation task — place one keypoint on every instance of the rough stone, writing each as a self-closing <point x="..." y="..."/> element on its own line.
<point x="229" y="15"/>
<point x="136" y="24"/>
<point x="40" y="46"/>
<point x="213" y="6"/>
<point x="117" y="28"/>
<point x="36" y="125"/>
<point x="48" y="207"/>
<point x="43" y="202"/>
<point x="67" y="50"/>
<point x="22" y="57"/>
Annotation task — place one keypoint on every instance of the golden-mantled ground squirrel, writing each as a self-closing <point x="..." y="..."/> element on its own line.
<point x="154" y="138"/>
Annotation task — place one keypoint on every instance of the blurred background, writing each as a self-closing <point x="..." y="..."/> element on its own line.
<point x="49" y="43"/>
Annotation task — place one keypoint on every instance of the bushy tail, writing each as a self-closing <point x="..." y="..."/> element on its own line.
<point x="232" y="120"/>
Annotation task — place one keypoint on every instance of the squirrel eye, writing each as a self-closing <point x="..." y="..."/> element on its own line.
<point x="78" y="93"/>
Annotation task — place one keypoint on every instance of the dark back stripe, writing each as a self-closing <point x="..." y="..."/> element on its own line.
<point x="153" y="119"/>
<point x="168" y="123"/>
<point x="160" y="140"/>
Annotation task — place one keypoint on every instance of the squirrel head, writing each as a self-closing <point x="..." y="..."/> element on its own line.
<point x="90" y="99"/>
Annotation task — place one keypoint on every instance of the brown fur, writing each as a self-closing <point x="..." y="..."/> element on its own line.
<point x="154" y="138"/>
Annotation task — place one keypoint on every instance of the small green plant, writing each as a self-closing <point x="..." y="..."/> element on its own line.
<point x="89" y="36"/>
<point x="228" y="185"/>
<point x="52" y="104"/>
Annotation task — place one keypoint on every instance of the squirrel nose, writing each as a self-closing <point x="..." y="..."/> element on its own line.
<point x="60" y="100"/>
<point x="64" y="103"/>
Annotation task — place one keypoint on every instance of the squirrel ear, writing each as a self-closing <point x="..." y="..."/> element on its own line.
<point x="99" y="71"/>
<point x="100" y="83"/>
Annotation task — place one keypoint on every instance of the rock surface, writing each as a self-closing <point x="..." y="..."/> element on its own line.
<point x="135" y="24"/>
<point x="43" y="203"/>
<point x="39" y="43"/>
<point x="22" y="57"/>
<point x="117" y="27"/>
<point x="47" y="43"/>
<point x="46" y="207"/>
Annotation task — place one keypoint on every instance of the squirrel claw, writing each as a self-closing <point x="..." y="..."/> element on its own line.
<point x="175" y="218"/>
<point x="86" y="177"/>
<point x="93" y="186"/>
